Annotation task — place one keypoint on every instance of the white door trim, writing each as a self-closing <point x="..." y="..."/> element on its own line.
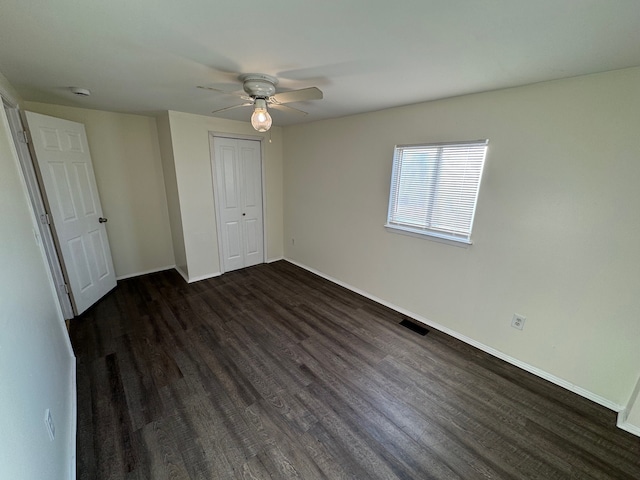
<point x="37" y="204"/>
<point x="234" y="136"/>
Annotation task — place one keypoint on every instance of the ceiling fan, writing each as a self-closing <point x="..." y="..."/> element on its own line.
<point x="260" y="93"/>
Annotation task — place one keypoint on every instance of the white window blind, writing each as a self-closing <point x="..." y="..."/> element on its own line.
<point x="434" y="188"/>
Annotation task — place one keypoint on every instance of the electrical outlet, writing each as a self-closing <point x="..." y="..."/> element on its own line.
<point x="51" y="427"/>
<point x="518" y="321"/>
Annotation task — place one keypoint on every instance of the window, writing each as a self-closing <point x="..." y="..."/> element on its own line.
<point x="434" y="188"/>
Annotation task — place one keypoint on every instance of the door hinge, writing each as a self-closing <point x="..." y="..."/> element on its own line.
<point x="45" y="219"/>
<point x="25" y="136"/>
<point x="66" y="288"/>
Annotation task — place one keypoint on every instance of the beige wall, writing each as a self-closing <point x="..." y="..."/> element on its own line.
<point x="36" y="361"/>
<point x="126" y="159"/>
<point x="8" y="92"/>
<point x="173" y="196"/>
<point x="556" y="232"/>
<point x="191" y="151"/>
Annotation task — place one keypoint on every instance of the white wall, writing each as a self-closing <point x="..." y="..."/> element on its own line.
<point x="171" y="189"/>
<point x="126" y="159"/>
<point x="36" y="361"/>
<point x="556" y="232"/>
<point x="192" y="162"/>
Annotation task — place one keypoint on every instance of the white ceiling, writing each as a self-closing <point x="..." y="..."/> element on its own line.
<point x="145" y="56"/>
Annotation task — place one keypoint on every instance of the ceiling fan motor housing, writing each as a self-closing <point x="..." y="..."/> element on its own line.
<point x="259" y="85"/>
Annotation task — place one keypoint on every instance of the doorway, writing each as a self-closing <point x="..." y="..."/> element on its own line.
<point x="19" y="135"/>
<point x="57" y="168"/>
<point x="238" y="191"/>
<point x="60" y="150"/>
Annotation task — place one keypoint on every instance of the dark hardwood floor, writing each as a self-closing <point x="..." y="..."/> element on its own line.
<point x="272" y="372"/>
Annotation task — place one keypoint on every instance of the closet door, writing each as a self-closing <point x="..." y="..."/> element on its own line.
<point x="237" y="172"/>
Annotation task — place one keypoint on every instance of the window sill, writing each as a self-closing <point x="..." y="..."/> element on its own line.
<point x="456" y="242"/>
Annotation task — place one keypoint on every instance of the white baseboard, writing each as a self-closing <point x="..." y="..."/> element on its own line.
<point x="203" y="277"/>
<point x="73" y="398"/>
<point x="485" y="348"/>
<point x="627" y="427"/>
<point x="194" y="279"/>
<point x="137" y="274"/>
<point x="624" y="414"/>
<point x="182" y="273"/>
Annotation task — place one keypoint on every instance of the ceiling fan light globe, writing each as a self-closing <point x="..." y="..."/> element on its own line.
<point x="261" y="120"/>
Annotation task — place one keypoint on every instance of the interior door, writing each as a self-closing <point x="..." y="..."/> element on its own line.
<point x="37" y="202"/>
<point x="238" y="186"/>
<point x="64" y="163"/>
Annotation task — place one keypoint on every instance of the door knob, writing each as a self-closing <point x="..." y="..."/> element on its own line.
<point x="103" y="220"/>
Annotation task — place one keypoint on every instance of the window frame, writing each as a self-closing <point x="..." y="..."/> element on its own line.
<point x="426" y="231"/>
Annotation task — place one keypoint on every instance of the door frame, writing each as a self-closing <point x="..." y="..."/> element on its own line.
<point x="216" y="202"/>
<point x="34" y="191"/>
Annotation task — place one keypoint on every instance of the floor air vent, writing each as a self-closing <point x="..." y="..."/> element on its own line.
<point x="412" y="326"/>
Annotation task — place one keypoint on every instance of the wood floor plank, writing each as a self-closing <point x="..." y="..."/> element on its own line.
<point x="143" y="402"/>
<point x="401" y="452"/>
<point x="422" y="421"/>
<point x="86" y="463"/>
<point x="216" y="367"/>
<point x="254" y="469"/>
<point x="272" y="372"/>
<point x="494" y="433"/>
<point x="112" y="430"/>
<point x="353" y="445"/>
<point x="282" y="441"/>
<point x="163" y="457"/>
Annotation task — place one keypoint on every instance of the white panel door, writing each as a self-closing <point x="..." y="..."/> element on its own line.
<point x="251" y="191"/>
<point x="238" y="183"/>
<point x="62" y="155"/>
<point x="229" y="208"/>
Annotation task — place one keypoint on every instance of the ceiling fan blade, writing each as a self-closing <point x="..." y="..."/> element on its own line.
<point x="232" y="107"/>
<point x="278" y="106"/>
<point x="236" y="93"/>
<point x="302" y="95"/>
<point x="211" y="88"/>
